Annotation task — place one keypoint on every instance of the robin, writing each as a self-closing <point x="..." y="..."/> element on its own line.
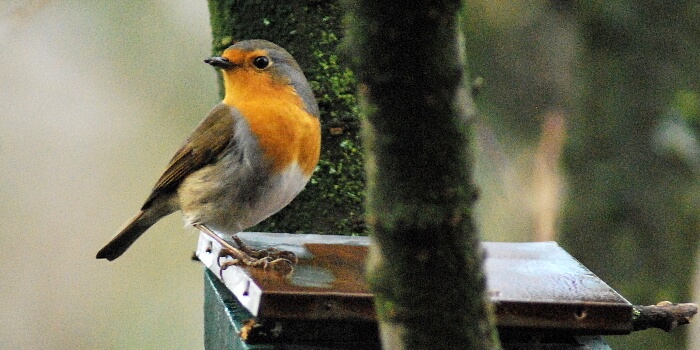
<point x="252" y="154"/>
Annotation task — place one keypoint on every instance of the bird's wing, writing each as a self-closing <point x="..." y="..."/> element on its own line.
<point x="204" y="145"/>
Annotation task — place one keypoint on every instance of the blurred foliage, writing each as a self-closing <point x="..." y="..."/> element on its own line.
<point x="687" y="103"/>
<point x="311" y="31"/>
<point x="525" y="52"/>
<point x="625" y="73"/>
<point x="629" y="199"/>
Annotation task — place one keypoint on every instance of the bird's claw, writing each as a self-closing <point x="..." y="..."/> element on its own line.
<point x="281" y="266"/>
<point x="276" y="260"/>
<point x="270" y="252"/>
<point x="274" y="254"/>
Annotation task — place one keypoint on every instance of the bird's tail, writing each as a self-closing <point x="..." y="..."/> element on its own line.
<point x="131" y="231"/>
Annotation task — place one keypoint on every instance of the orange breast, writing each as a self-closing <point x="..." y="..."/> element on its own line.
<point x="276" y="115"/>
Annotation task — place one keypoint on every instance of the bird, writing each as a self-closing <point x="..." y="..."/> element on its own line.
<point x="246" y="160"/>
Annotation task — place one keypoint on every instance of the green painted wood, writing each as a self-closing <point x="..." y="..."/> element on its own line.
<point x="224" y="317"/>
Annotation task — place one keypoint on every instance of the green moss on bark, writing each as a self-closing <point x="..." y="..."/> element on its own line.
<point x="311" y="31"/>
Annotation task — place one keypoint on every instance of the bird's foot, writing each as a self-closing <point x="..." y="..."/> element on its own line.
<point x="279" y="265"/>
<point x="272" y="253"/>
<point x="273" y="259"/>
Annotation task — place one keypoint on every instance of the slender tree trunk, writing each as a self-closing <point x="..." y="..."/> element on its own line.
<point x="311" y="31"/>
<point x="426" y="266"/>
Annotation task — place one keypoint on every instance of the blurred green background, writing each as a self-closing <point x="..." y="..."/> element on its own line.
<point x="96" y="96"/>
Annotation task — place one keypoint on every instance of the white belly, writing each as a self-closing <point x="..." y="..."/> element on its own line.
<point x="242" y="200"/>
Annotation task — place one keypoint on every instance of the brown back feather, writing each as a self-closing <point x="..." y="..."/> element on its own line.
<point x="205" y="144"/>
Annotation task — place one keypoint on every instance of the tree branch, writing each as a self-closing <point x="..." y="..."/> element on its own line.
<point x="664" y="315"/>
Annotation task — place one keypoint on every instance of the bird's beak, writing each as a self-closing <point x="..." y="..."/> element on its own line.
<point x="220" y="62"/>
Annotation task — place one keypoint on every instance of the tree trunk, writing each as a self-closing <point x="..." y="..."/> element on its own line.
<point x="311" y="31"/>
<point x="425" y="267"/>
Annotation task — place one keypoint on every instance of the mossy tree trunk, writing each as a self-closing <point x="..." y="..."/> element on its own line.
<point x="310" y="30"/>
<point x="632" y="217"/>
<point x="425" y="266"/>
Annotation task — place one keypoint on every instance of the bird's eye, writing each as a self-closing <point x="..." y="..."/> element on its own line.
<point x="261" y="62"/>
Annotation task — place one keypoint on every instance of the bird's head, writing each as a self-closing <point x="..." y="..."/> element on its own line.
<point x="258" y="69"/>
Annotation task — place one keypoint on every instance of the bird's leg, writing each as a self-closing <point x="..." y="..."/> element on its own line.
<point x="241" y="257"/>
<point x="270" y="252"/>
<point x="227" y="249"/>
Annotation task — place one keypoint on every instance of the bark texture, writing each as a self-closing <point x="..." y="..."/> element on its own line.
<point x="426" y="265"/>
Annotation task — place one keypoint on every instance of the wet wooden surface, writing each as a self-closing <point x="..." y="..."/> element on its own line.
<point x="539" y="285"/>
<point x="533" y="285"/>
